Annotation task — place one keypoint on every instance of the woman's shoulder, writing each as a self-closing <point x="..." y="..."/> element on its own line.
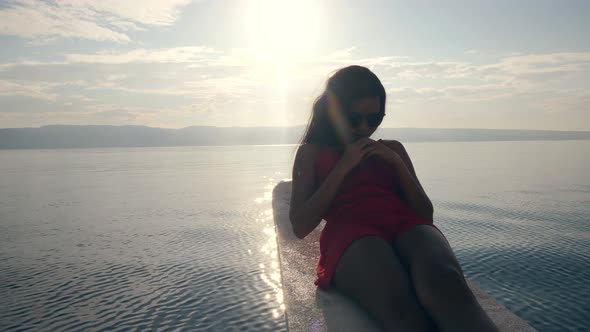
<point x="390" y="141"/>
<point x="397" y="146"/>
<point x="312" y="149"/>
<point x="306" y="153"/>
<point x="309" y="152"/>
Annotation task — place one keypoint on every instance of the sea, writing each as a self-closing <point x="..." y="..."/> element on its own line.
<point x="182" y="238"/>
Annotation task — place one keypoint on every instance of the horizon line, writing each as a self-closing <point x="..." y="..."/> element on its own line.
<point x="294" y="126"/>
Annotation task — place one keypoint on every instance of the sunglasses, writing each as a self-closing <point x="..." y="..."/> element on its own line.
<point x="355" y="119"/>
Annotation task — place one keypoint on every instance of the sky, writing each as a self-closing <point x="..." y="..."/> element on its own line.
<point x="500" y="64"/>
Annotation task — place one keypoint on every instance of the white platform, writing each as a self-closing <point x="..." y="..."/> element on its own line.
<point x="311" y="309"/>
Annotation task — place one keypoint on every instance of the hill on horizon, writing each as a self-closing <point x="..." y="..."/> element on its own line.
<point x="57" y="136"/>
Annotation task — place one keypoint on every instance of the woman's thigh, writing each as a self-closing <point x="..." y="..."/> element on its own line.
<point x="370" y="272"/>
<point x="423" y="247"/>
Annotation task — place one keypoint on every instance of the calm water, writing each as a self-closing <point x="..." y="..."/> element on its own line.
<point x="181" y="238"/>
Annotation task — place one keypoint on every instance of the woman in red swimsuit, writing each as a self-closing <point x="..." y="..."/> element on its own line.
<point x="379" y="245"/>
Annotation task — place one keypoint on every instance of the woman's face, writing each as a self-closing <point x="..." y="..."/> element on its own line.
<point x="361" y="109"/>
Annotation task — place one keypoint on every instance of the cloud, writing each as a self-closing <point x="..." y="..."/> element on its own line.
<point x="37" y="90"/>
<point x="537" y="69"/>
<point x="233" y="86"/>
<point x="102" y="20"/>
<point x="185" y="80"/>
<point x="190" y="54"/>
<point x="149" y="12"/>
<point x="575" y="100"/>
<point x="456" y="93"/>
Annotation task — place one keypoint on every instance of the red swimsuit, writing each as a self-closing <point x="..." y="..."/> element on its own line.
<point x="366" y="204"/>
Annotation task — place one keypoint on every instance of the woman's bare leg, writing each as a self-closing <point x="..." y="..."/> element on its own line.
<point x="439" y="282"/>
<point x="370" y="273"/>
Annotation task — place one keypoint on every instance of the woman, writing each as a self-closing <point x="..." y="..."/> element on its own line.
<point x="379" y="245"/>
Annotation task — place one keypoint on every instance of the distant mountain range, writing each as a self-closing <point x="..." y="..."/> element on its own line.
<point x="93" y="136"/>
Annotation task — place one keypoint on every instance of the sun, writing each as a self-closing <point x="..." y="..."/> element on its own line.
<point x="281" y="32"/>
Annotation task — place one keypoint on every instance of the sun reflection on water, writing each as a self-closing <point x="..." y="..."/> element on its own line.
<point x="270" y="273"/>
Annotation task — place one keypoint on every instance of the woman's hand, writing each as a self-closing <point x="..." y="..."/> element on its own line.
<point x="383" y="151"/>
<point x="355" y="152"/>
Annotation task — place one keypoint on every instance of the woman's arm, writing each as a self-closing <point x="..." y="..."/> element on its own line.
<point x="411" y="188"/>
<point x="308" y="205"/>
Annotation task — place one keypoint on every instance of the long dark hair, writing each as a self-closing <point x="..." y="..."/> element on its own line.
<point x="348" y="84"/>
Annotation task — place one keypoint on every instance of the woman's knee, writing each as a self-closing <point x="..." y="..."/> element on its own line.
<point x="438" y="282"/>
<point x="445" y="274"/>
<point x="403" y="305"/>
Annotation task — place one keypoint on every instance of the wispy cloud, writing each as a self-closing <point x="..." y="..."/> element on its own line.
<point x="151" y="12"/>
<point x="102" y="20"/>
<point x="190" y="54"/>
<point x="203" y="80"/>
<point x="37" y="90"/>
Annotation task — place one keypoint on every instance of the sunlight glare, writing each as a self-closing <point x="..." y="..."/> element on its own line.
<point x="281" y="32"/>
